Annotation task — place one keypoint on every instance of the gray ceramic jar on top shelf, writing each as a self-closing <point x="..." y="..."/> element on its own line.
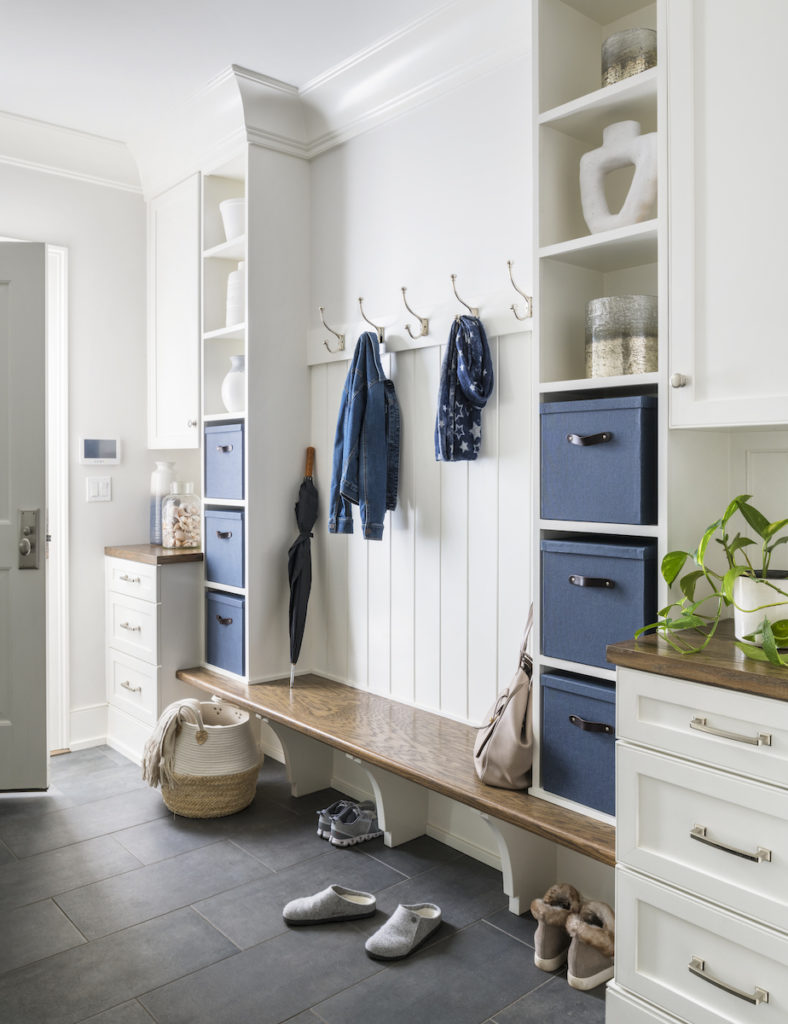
<point x="628" y="53"/>
<point x="621" y="335"/>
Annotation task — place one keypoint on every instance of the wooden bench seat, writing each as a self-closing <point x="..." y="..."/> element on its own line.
<point x="406" y="751"/>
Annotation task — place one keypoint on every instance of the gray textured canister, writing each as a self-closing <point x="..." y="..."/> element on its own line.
<point x="628" y="53"/>
<point x="621" y="335"/>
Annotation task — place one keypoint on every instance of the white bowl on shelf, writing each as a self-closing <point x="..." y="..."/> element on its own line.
<point x="233" y="213"/>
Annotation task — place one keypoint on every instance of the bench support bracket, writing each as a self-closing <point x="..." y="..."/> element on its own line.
<point x="308" y="761"/>
<point x="528" y="863"/>
<point x="401" y="805"/>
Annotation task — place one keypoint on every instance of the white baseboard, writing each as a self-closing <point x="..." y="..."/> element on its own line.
<point x="87" y="727"/>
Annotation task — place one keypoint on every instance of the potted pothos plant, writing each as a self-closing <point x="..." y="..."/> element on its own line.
<point x="757" y="593"/>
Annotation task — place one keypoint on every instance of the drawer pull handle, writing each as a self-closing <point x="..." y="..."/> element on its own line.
<point x="584" y="440"/>
<point x="224" y="534"/>
<point x="591" y="581"/>
<point x="130" y="628"/>
<point x="224" y="622"/>
<point x="763" y="739"/>
<point x="581" y="723"/>
<point x="761" y="853"/>
<point x="133" y="689"/>
<point x="130" y="579"/>
<point x="697" y="966"/>
<point x="224" y="447"/>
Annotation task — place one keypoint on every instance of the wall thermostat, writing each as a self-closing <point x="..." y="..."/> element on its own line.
<point x="99" y="451"/>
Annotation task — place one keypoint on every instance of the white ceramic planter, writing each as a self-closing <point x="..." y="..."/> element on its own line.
<point x="233" y="214"/>
<point x="234" y="385"/>
<point x="749" y="596"/>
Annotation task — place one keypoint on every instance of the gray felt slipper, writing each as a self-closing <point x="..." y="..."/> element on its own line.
<point x="332" y="904"/>
<point x="407" y="928"/>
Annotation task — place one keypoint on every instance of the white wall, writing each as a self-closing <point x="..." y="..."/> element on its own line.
<point x="433" y="614"/>
<point x="104" y="231"/>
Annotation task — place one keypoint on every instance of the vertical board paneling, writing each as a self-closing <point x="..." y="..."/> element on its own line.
<point x="454" y="588"/>
<point x="483" y="559"/>
<point x="427" y="527"/>
<point x="379" y="599"/>
<point x="315" y="634"/>
<point x="334" y="591"/>
<point x="401" y="523"/>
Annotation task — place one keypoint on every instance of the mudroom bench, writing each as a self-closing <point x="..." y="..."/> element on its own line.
<point x="405" y="752"/>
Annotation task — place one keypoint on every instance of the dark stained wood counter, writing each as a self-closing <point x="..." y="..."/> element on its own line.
<point x="720" y="664"/>
<point x="154" y="554"/>
<point x="421" y="746"/>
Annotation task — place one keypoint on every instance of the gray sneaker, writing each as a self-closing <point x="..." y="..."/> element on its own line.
<point x="354" y="825"/>
<point x="326" y="817"/>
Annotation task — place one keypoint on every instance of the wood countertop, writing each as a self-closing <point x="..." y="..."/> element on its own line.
<point x="720" y="664"/>
<point x="154" y="554"/>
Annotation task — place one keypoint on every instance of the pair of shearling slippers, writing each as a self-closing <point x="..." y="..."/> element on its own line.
<point x="576" y="932"/>
<point x="408" y="927"/>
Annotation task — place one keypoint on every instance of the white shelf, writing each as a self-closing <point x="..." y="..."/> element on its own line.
<point x="614" y="529"/>
<point x="575" y="666"/>
<point x="233" y="249"/>
<point x="552" y="798"/>
<point x="225" y="588"/>
<point x="224" y="502"/>
<point x="631" y="246"/>
<point x="224" y="417"/>
<point x="633" y="99"/>
<point x="236" y="331"/>
<point x="630" y="380"/>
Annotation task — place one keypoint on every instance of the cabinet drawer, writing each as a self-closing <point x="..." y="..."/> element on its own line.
<point x="669" y="930"/>
<point x="662" y="801"/>
<point x="132" y="627"/>
<point x="134" y="579"/>
<point x="623" y="1008"/>
<point x="132" y="686"/>
<point x="657" y="710"/>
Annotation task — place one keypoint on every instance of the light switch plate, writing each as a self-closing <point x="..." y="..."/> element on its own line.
<point x="98" y="488"/>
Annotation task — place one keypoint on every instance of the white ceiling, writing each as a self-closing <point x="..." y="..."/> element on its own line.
<point x="108" y="66"/>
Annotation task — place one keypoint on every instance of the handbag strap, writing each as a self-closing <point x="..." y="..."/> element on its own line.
<point x="525" y="658"/>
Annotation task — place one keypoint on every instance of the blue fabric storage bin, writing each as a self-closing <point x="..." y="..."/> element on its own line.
<point x="599" y="460"/>
<point x="224" y="460"/>
<point x="581" y="612"/>
<point x="577" y="747"/>
<point x="224" y="547"/>
<point x="224" y="631"/>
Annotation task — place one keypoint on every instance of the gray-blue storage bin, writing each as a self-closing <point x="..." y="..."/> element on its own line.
<point x="595" y="591"/>
<point x="224" y="631"/>
<point x="577" y="746"/>
<point x="224" y="546"/>
<point x="224" y="460"/>
<point x="599" y="460"/>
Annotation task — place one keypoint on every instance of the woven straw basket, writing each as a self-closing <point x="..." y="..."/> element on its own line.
<point x="216" y="762"/>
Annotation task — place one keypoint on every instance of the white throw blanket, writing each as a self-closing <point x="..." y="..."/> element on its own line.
<point x="159" y="755"/>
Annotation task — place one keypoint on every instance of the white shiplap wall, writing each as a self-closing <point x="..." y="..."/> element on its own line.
<point x="432" y="614"/>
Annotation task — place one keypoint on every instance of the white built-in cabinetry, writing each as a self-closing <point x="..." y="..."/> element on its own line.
<point x="727" y="79"/>
<point x="174" y="316"/>
<point x="152" y="624"/>
<point x="702" y="830"/>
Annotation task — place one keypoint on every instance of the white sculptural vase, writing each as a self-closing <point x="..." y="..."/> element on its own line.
<point x="234" y="385"/>
<point x="622" y="145"/>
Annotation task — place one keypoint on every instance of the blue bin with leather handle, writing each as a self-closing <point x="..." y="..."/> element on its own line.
<point x="595" y="591"/>
<point x="224" y="630"/>
<point x="224" y="546"/>
<point x="224" y="461"/>
<point x="599" y="460"/>
<point x="578" y="739"/>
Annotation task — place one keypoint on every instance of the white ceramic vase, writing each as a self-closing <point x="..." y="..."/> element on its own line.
<point x="622" y="144"/>
<point x="749" y="596"/>
<point x="234" y="385"/>
<point x="236" y="295"/>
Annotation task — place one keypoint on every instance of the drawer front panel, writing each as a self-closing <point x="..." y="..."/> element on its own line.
<point x="717" y="835"/>
<point x="224" y="461"/>
<point x="594" y="593"/>
<point x="132" y="627"/>
<point x="657" y="710"/>
<point x="133" y="579"/>
<point x="224" y="547"/>
<point x="599" y="460"/>
<point x="670" y="930"/>
<point x="132" y="686"/>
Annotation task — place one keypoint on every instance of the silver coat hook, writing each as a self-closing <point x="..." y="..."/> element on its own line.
<point x="529" y="301"/>
<point x="341" y="346"/>
<point x="379" y="330"/>
<point x="472" y="309"/>
<point x="423" y="320"/>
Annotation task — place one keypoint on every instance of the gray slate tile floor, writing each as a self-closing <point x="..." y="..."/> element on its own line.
<point x="113" y="912"/>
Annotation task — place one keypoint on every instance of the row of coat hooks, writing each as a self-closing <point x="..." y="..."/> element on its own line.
<point x="424" y="322"/>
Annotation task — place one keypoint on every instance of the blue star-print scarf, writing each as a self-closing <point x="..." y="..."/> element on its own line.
<point x="466" y="384"/>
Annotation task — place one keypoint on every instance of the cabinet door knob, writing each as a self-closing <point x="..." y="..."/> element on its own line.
<point x="191" y="423"/>
<point x="678" y="380"/>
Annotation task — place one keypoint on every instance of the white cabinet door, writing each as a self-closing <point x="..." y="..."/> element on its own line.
<point x="174" y="316"/>
<point x="727" y="82"/>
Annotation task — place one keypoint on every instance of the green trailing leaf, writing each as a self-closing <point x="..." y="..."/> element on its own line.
<point x="734" y="506"/>
<point x="755" y="653"/>
<point x="780" y="630"/>
<point x="740" y="542"/>
<point x="773" y="528"/>
<point x="730" y="578"/>
<point x="704" y="541"/>
<point x="770" y="644"/>
<point x="755" y="519"/>
<point x="672" y="564"/>
<point x="689" y="582"/>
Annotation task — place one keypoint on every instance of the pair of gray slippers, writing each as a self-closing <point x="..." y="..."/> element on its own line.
<point x="408" y="927"/>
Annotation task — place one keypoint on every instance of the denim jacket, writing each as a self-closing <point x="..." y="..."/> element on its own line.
<point x="365" y="468"/>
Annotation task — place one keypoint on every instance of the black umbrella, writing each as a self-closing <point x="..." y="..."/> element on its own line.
<point x="299" y="561"/>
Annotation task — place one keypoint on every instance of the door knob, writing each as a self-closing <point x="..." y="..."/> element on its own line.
<point x="678" y="380"/>
<point x="25" y="547"/>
